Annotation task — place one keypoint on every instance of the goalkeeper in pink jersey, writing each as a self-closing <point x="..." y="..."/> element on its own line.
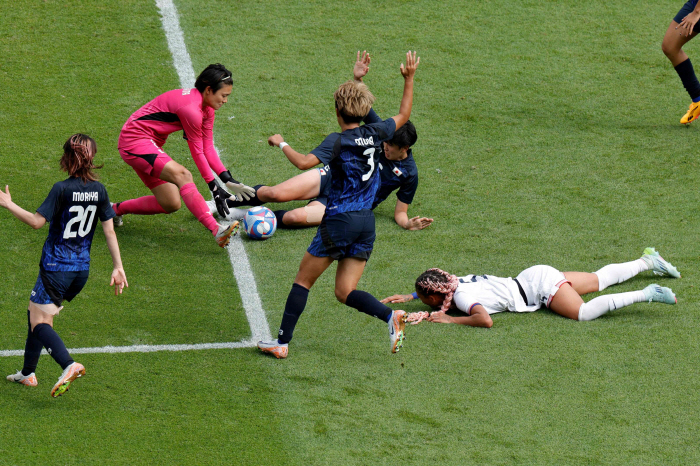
<point x="141" y="146"/>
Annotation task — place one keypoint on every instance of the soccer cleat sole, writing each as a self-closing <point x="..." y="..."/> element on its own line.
<point x="63" y="385"/>
<point x="400" y="325"/>
<point x="280" y="352"/>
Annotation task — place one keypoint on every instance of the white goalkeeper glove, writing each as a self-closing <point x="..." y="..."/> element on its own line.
<point x="240" y="191"/>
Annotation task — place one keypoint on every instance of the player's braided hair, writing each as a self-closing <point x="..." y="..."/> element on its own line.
<point x="79" y="157"/>
<point x="438" y="281"/>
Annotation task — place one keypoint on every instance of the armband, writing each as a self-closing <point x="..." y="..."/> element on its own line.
<point x="414" y="295"/>
<point x="283" y="144"/>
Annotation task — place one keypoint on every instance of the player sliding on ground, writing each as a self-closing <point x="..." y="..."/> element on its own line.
<point x="346" y="233"/>
<point x="396" y="166"/>
<point x="683" y="28"/>
<point x="71" y="209"/>
<point x="479" y="296"/>
<point x="141" y="146"/>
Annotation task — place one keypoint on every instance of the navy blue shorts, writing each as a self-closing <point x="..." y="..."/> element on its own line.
<point x="325" y="185"/>
<point x="54" y="287"/>
<point x="348" y="234"/>
<point x="684" y="11"/>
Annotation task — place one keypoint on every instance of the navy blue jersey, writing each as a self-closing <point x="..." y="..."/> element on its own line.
<point x="72" y="208"/>
<point x="397" y="174"/>
<point x="354" y="166"/>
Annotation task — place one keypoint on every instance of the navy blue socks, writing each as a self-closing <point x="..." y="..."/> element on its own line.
<point x="53" y="344"/>
<point x="365" y="302"/>
<point x="690" y="81"/>
<point x="32" y="350"/>
<point x="296" y="302"/>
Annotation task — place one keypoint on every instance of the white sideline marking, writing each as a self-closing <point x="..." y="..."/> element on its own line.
<point x="257" y="320"/>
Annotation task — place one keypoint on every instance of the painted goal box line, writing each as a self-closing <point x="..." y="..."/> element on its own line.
<point x="259" y="328"/>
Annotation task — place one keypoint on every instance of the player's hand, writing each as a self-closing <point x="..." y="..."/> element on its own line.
<point x="418" y="223"/>
<point x="441" y="317"/>
<point x="361" y="66"/>
<point x="240" y="191"/>
<point x="220" y="195"/>
<point x="5" y="198"/>
<point x="688" y="23"/>
<point x="275" y="140"/>
<point x="118" y="281"/>
<point x="397" y="298"/>
<point x="411" y="64"/>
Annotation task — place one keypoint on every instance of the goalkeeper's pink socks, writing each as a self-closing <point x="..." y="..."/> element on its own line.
<point x="196" y="204"/>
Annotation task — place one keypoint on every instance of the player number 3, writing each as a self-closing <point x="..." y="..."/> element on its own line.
<point x="85" y="217"/>
<point x="370" y="154"/>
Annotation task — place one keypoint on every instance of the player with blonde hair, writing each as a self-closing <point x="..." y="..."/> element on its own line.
<point x="346" y="233"/>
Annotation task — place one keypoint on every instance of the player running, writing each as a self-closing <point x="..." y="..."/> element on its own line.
<point x="141" y="146"/>
<point x="346" y="233"/>
<point x="479" y="296"/>
<point x="71" y="208"/>
<point x="681" y="30"/>
<point x="397" y="169"/>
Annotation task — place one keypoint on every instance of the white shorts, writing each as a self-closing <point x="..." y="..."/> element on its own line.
<point x="540" y="283"/>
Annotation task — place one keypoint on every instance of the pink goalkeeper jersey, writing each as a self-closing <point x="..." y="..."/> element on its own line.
<point x="177" y="110"/>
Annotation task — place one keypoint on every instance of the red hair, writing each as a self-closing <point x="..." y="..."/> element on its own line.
<point x="434" y="281"/>
<point x="78" y="157"/>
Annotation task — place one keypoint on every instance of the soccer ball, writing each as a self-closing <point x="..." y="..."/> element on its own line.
<point x="260" y="223"/>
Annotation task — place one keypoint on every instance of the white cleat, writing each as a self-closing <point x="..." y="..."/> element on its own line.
<point x="658" y="264"/>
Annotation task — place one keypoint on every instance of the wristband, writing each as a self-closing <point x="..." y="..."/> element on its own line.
<point x="282" y="145"/>
<point x="414" y="295"/>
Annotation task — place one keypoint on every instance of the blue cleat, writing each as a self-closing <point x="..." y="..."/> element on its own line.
<point x="658" y="264"/>
<point x="659" y="294"/>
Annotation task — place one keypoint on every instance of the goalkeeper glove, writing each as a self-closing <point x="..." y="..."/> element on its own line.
<point x="220" y="195"/>
<point x="239" y="190"/>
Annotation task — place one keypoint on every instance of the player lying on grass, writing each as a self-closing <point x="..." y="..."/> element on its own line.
<point x="683" y="28"/>
<point x="346" y="233"/>
<point x="397" y="170"/>
<point x="141" y="146"/>
<point x="71" y="209"/>
<point x="479" y="296"/>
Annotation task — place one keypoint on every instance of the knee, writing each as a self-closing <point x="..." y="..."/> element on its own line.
<point x="271" y="194"/>
<point x="182" y="177"/>
<point x="296" y="217"/>
<point x="669" y="49"/>
<point x="171" y="205"/>
<point x="341" y="294"/>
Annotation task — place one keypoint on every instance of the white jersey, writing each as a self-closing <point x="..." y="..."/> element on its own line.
<point x="496" y="294"/>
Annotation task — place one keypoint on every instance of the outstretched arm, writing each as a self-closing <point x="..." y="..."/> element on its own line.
<point x="407" y="100"/>
<point x="477" y="318"/>
<point x="361" y="66"/>
<point x="35" y="220"/>
<point x="118" y="276"/>
<point x="299" y="160"/>
<point x="415" y="223"/>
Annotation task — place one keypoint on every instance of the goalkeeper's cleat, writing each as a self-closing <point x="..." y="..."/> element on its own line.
<point x="397" y="323"/>
<point x="70" y="373"/>
<point x="275" y="348"/>
<point x="658" y="264"/>
<point x="28" y="380"/>
<point x="692" y="113"/>
<point x="223" y="236"/>
<point x="659" y="294"/>
<point x="118" y="220"/>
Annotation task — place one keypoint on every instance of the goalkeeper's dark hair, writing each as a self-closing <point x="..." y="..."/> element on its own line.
<point x="215" y="76"/>
<point x="78" y="158"/>
<point x="405" y="136"/>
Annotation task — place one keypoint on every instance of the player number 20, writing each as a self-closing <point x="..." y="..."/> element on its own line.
<point x="84" y="220"/>
<point x="370" y="154"/>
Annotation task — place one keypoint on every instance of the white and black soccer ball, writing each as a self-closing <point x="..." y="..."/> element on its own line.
<point x="259" y="223"/>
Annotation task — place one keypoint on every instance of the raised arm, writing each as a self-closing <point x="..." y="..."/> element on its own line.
<point x="299" y="160"/>
<point x="407" y="100"/>
<point x="361" y="67"/>
<point x="35" y="220"/>
<point x="118" y="275"/>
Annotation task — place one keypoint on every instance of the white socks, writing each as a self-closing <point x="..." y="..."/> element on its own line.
<point x="598" y="306"/>
<point x="617" y="273"/>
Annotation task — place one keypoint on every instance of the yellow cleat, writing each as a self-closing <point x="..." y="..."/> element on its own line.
<point x="692" y="114"/>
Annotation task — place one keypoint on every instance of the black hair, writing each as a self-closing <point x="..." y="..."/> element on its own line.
<point x="405" y="136"/>
<point x="214" y="76"/>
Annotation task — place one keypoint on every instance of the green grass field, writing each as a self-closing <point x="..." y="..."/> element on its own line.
<point x="548" y="133"/>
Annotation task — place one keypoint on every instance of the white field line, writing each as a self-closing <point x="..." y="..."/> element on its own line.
<point x="257" y="320"/>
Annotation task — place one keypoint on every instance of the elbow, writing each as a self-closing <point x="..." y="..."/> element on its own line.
<point x="488" y="323"/>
